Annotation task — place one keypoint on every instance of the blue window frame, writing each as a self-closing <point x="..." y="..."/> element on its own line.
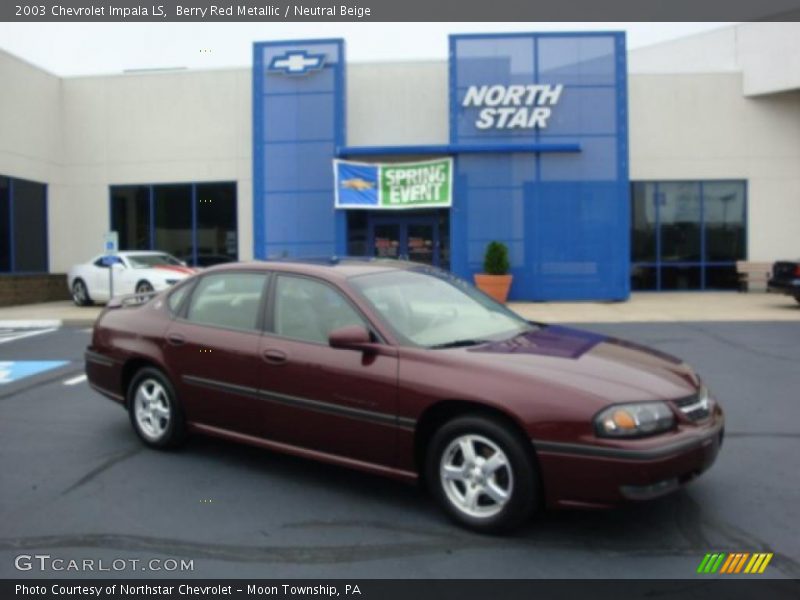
<point x="23" y="226"/>
<point x="194" y="221"/>
<point x="687" y="235"/>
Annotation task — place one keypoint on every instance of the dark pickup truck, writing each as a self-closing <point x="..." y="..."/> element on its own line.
<point x="786" y="278"/>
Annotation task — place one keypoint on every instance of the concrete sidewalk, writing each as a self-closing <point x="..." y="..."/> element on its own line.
<point x="668" y="306"/>
<point x="642" y="307"/>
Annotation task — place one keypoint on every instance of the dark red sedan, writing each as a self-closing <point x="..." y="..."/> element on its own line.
<point x="409" y="372"/>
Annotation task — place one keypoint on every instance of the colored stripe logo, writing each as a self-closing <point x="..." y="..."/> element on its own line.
<point x="734" y="563"/>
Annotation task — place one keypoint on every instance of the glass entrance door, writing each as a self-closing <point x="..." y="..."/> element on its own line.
<point x="385" y="240"/>
<point x="407" y="238"/>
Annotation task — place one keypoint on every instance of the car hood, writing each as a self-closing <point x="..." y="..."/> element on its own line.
<point x="592" y="364"/>
<point x="175" y="271"/>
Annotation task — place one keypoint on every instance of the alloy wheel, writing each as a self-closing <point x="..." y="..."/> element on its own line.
<point x="476" y="476"/>
<point x="79" y="293"/>
<point x="152" y="409"/>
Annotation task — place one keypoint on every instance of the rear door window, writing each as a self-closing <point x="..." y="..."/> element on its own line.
<point x="230" y="300"/>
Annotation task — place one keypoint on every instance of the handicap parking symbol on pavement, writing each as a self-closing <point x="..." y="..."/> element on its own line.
<point x="11" y="371"/>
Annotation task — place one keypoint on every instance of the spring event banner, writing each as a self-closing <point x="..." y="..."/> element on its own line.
<point x="394" y="186"/>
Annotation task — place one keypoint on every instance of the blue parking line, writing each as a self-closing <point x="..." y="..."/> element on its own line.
<point x="14" y="370"/>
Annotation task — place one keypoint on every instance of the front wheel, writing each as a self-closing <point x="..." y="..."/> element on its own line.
<point x="144" y="287"/>
<point x="80" y="295"/>
<point x="482" y="474"/>
<point x="154" y="411"/>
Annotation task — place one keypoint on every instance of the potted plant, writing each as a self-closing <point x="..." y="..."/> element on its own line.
<point x="495" y="279"/>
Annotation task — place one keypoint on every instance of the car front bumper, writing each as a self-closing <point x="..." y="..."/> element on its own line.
<point x="599" y="476"/>
<point x="784" y="286"/>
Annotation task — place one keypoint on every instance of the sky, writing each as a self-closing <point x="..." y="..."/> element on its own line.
<point x="100" y="48"/>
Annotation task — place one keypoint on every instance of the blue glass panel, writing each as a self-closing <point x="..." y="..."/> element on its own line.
<point x="494" y="60"/>
<point x="597" y="160"/>
<point x="495" y="214"/>
<point x="316" y="81"/>
<point x="299" y="167"/>
<point x="300" y="250"/>
<point x="298" y="122"/>
<point x="303" y="218"/>
<point x="577" y="60"/>
<point x="586" y="111"/>
<point x="493" y="170"/>
<point x="577" y="252"/>
<point x="565" y="216"/>
<point x="298" y="117"/>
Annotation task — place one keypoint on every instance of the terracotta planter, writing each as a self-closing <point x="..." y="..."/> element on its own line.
<point x="496" y="286"/>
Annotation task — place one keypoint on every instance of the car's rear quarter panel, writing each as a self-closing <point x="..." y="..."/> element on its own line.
<point x="124" y="334"/>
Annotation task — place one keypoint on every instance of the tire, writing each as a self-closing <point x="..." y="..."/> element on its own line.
<point x="797" y="299"/>
<point x="144" y="287"/>
<point x="154" y="411"/>
<point x="80" y="293"/>
<point x="516" y="475"/>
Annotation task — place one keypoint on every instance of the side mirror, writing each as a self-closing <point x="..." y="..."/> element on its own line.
<point x="352" y="337"/>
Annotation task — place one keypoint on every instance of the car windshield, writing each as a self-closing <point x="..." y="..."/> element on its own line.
<point x="436" y="309"/>
<point x="143" y="261"/>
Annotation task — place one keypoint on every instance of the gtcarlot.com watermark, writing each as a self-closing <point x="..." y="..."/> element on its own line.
<point x="46" y="562"/>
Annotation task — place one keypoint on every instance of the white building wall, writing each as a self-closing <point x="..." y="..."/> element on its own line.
<point x="702" y="127"/>
<point x="149" y="128"/>
<point x="81" y="135"/>
<point x="30" y="123"/>
<point x="767" y="54"/>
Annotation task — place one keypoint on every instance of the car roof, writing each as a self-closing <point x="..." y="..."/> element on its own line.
<point x="332" y="267"/>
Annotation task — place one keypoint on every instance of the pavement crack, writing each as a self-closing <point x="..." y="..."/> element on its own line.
<point x="738" y="345"/>
<point x="114" y="459"/>
<point x="314" y="554"/>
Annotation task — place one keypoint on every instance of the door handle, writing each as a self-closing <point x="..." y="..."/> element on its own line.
<point x="175" y="339"/>
<point x="276" y="357"/>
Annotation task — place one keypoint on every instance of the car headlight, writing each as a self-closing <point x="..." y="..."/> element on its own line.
<point x="636" y="419"/>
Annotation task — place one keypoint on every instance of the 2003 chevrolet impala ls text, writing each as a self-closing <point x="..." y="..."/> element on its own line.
<point x="409" y="372"/>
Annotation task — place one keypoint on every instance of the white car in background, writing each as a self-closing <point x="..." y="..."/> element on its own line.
<point x="133" y="272"/>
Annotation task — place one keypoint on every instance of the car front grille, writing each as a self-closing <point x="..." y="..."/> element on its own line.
<point x="694" y="407"/>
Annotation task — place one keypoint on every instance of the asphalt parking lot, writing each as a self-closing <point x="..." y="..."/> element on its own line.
<point x="76" y="483"/>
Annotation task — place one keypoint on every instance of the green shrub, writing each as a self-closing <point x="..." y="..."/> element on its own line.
<point x="495" y="261"/>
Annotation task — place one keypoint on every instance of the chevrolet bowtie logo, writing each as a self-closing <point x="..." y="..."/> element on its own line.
<point x="357" y="184"/>
<point x="297" y="62"/>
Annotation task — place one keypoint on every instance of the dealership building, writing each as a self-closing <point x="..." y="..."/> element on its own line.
<point x="604" y="170"/>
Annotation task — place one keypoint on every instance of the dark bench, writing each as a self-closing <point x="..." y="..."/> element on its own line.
<point x="755" y="273"/>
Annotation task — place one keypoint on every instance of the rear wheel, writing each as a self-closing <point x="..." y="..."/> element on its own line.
<point x="80" y="294"/>
<point x="154" y="411"/>
<point x="482" y="474"/>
